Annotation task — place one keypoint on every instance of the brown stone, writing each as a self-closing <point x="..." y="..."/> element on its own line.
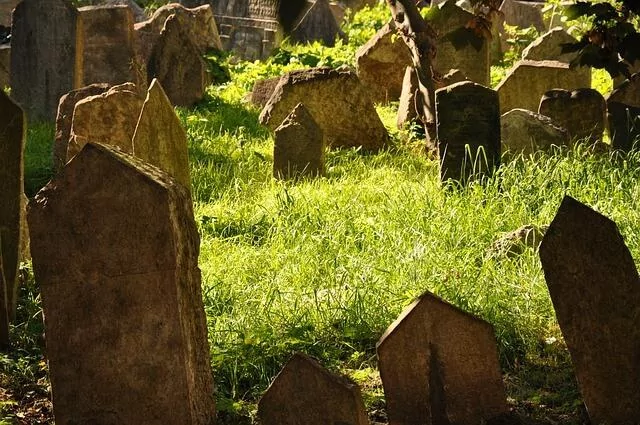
<point x="628" y="92"/>
<point x="452" y="77"/>
<point x="317" y="24"/>
<point x="381" y="62"/>
<point x="439" y="365"/>
<point x="305" y="392"/>
<point x="338" y="102"/>
<point x="5" y="65"/>
<point x="262" y="91"/>
<point x="6" y="8"/>
<point x="407" y="110"/>
<point x="25" y="246"/>
<point x="115" y="251"/>
<point x="138" y="12"/>
<point x="526" y="132"/>
<point x="549" y="47"/>
<point x="13" y="129"/>
<point x="159" y="137"/>
<point x="595" y="289"/>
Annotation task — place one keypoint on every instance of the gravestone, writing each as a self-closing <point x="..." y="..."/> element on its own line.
<point x="627" y="92"/>
<point x="381" y="62"/>
<point x="439" y="365"/>
<point x="549" y="47"/>
<point x="468" y="130"/>
<point x="526" y="83"/>
<point x="582" y="112"/>
<point x="46" y="54"/>
<point x="25" y="246"/>
<point x="299" y="146"/>
<point x="5" y="65"/>
<point x="159" y="138"/>
<point x="407" y="110"/>
<point x="317" y="23"/>
<point x="13" y="128"/>
<point x="623" y="110"/>
<point x="338" y="102"/>
<point x="595" y="289"/>
<point x="125" y="324"/>
<point x="305" y="392"/>
<point x="262" y="91"/>
<point x="523" y="14"/>
<point x="138" y="12"/>
<point x="6" y="8"/>
<point x="526" y="132"/>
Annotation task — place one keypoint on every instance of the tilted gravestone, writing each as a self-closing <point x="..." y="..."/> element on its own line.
<point x="595" y="289"/>
<point x="46" y="54"/>
<point x="317" y="24"/>
<point x="299" y="146"/>
<point x="439" y="365"/>
<point x="262" y="91"/>
<point x="13" y="128"/>
<point x="549" y="47"/>
<point x="582" y="112"/>
<point x="305" y="392"/>
<point x="623" y="113"/>
<point x="125" y="325"/>
<point x="526" y="132"/>
<point x="468" y="130"/>
<point x="338" y="102"/>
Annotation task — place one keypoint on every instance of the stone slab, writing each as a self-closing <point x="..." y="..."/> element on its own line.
<point x="317" y="24"/>
<point x="526" y="132"/>
<point x="549" y="47"/>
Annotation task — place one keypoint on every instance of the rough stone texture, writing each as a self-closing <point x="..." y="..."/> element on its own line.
<point x="64" y="119"/>
<point x="515" y="243"/>
<point x="25" y="245"/>
<point x="627" y="92"/>
<point x="624" y="125"/>
<point x="109" y="118"/>
<point x="595" y="289"/>
<point x="46" y="56"/>
<point x="338" y="102"/>
<point x="548" y="47"/>
<point x="124" y="320"/>
<point x="5" y="65"/>
<point x="299" y="146"/>
<point x="305" y="392"/>
<point x="439" y="365"/>
<point x="633" y="68"/>
<point x="262" y="91"/>
<point x="381" y="62"/>
<point x="523" y="14"/>
<point x="13" y="128"/>
<point x="527" y="132"/>
<point x="109" y="45"/>
<point x="159" y="138"/>
<point x="138" y="12"/>
<point x="527" y="81"/>
<point x="6" y="8"/>
<point x="582" y="112"/>
<point x="467" y="123"/>
<point x="318" y="23"/>
<point x="407" y="108"/>
<point x="452" y="77"/>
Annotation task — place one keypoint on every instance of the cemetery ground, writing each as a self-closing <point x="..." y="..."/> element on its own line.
<point x="324" y="265"/>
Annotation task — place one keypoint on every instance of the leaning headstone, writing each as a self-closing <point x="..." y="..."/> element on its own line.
<point x="526" y="132"/>
<point x="523" y="14"/>
<point x="317" y="24"/>
<point x="13" y="127"/>
<point x="595" y="289"/>
<point x="124" y="320"/>
<point x="439" y="365"/>
<point x="549" y="47"/>
<point x="623" y="107"/>
<point x="262" y="91"/>
<point x="380" y="64"/>
<point x="468" y="130"/>
<point x="305" y="392"/>
<point x="407" y="110"/>
<point x="527" y="81"/>
<point x="299" y="146"/>
<point x="582" y="112"/>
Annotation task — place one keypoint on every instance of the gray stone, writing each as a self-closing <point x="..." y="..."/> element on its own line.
<point x="262" y="91"/>
<point x="526" y="132"/>
<point x="548" y="47"/>
<point x="582" y="112"/>
<point x="407" y="111"/>
<point x="317" y="24"/>
<point x="523" y="14"/>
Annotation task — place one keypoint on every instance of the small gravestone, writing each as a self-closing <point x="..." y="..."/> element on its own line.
<point x="45" y="56"/>
<point x="582" y="112"/>
<point x="338" y="102"/>
<point x="595" y="289"/>
<point x="299" y="146"/>
<point x="159" y="137"/>
<point x="262" y="91"/>
<point x="380" y="64"/>
<point x="305" y="392"/>
<point x="407" y="110"/>
<point x="317" y="24"/>
<point x="526" y="83"/>
<point x="549" y="47"/>
<point x="125" y="324"/>
<point x="526" y="132"/>
<point x="523" y="14"/>
<point x="13" y="128"/>
<point x="468" y="130"/>
<point x="439" y="365"/>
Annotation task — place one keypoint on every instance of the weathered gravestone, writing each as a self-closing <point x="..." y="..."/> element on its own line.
<point x="13" y="127"/>
<point x="25" y="245"/>
<point x="338" y="102"/>
<point x="526" y="132"/>
<point x="582" y="112"/>
<point x="595" y="289"/>
<point x="523" y="14"/>
<point x="6" y="8"/>
<point x="468" y="130"/>
<point x="125" y="324"/>
<point x="549" y="47"/>
<point x="306" y="393"/>
<point x="299" y="146"/>
<point x="381" y="62"/>
<point x="623" y="114"/>
<point x="407" y="110"/>
<point x="5" y="65"/>
<point x="262" y="91"/>
<point x="439" y="365"/>
<point x="46" y="55"/>
<point x="317" y="23"/>
<point x="527" y="81"/>
<point x="138" y="12"/>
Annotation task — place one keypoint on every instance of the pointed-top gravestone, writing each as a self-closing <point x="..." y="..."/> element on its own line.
<point x="306" y="393"/>
<point x="115" y="251"/>
<point x="595" y="289"/>
<point x="318" y="23"/>
<point x="13" y="127"/>
<point x="549" y="47"/>
<point x="439" y="365"/>
<point x="45" y="56"/>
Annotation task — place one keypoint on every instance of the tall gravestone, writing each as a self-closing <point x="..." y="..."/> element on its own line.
<point x="468" y="130"/>
<point x="595" y="289"/>
<point x="439" y="365"/>
<point x="46" y="55"/>
<point x="13" y="127"/>
<point x="115" y="250"/>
